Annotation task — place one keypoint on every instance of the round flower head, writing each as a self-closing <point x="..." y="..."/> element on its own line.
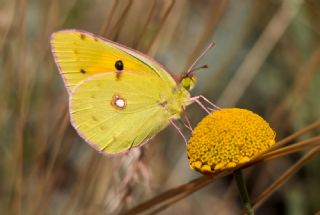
<point x="227" y="138"/>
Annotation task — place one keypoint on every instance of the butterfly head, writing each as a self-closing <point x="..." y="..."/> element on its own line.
<point x="188" y="82"/>
<point x="188" y="79"/>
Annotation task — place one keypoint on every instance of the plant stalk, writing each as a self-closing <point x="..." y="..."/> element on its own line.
<point x="237" y="174"/>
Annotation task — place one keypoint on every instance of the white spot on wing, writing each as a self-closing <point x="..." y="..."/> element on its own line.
<point x="120" y="103"/>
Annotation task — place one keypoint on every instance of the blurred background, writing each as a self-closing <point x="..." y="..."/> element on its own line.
<point x="266" y="58"/>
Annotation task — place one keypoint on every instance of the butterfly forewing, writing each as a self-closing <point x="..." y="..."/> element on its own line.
<point x="80" y="55"/>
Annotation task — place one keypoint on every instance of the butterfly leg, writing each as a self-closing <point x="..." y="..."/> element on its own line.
<point x="210" y="103"/>
<point x="188" y="125"/>
<point x="209" y="109"/>
<point x="179" y="130"/>
<point x="196" y="100"/>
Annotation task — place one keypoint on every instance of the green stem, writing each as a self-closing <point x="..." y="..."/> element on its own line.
<point x="243" y="191"/>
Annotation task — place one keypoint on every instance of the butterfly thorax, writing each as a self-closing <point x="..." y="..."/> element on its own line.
<point x="180" y="97"/>
<point x="176" y="102"/>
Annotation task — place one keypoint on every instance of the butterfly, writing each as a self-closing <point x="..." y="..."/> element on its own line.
<point x="119" y="98"/>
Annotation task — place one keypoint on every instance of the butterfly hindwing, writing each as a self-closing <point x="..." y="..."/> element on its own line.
<point x="115" y="115"/>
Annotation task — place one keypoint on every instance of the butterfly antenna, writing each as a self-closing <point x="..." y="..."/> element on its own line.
<point x="198" y="68"/>
<point x="190" y="70"/>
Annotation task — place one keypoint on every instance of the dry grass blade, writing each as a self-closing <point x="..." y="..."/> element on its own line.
<point x="284" y="178"/>
<point x="138" y="38"/>
<point x="312" y="142"/>
<point x="46" y="183"/>
<point x="121" y="21"/>
<point x="163" y="20"/>
<point x="297" y="134"/>
<point x="106" y="25"/>
<point x="5" y="31"/>
<point x="299" y="89"/>
<point x="218" y="8"/>
<point x="73" y="200"/>
<point x="291" y="137"/>
<point x="172" y="194"/>
<point x="20" y="123"/>
<point x="314" y="6"/>
<point x="258" y="54"/>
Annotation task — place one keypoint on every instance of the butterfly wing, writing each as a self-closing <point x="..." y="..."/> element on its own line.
<point x="114" y="111"/>
<point x="114" y="115"/>
<point x="80" y="54"/>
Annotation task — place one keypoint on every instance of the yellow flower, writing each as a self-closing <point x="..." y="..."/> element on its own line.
<point x="227" y="138"/>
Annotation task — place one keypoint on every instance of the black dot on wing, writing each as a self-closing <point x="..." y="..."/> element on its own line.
<point x="82" y="36"/>
<point x="102" y="127"/>
<point x="119" y="65"/>
<point x="83" y="71"/>
<point x="94" y="118"/>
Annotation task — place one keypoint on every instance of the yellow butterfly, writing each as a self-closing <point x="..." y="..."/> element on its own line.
<point x="119" y="98"/>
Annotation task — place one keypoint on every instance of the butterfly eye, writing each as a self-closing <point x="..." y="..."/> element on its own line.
<point x="188" y="82"/>
<point x="119" y="65"/>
